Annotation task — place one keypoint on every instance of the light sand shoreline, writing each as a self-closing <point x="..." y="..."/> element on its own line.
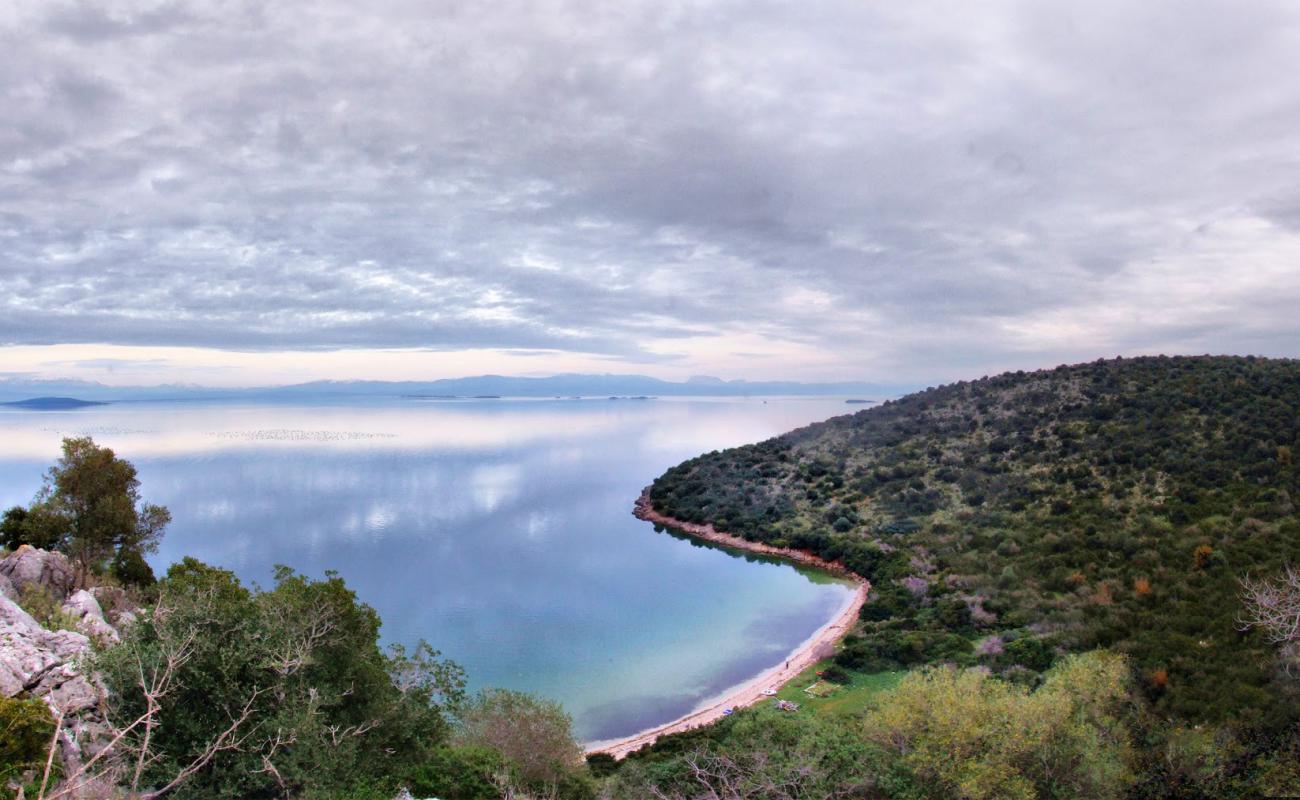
<point x="751" y="691"/>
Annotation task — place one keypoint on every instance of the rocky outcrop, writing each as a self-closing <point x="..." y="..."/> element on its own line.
<point x="44" y="568"/>
<point x="84" y="608"/>
<point x="118" y="609"/>
<point x="50" y="665"/>
<point x="47" y="664"/>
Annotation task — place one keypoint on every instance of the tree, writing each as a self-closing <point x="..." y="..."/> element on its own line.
<point x="533" y="733"/>
<point x="12" y="534"/>
<point x="221" y="691"/>
<point x="90" y="508"/>
<point x="757" y="754"/>
<point x="965" y="734"/>
<point x="1273" y="605"/>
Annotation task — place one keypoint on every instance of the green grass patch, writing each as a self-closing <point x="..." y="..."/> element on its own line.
<point x="848" y="699"/>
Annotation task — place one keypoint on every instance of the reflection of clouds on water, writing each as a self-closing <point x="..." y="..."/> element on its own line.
<point x="538" y="524"/>
<point x="215" y="510"/>
<point x="380" y="517"/>
<point x="769" y="633"/>
<point x="494" y="484"/>
<point x="192" y="428"/>
<point x="369" y="524"/>
<point x="502" y="535"/>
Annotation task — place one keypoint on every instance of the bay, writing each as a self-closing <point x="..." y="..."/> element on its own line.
<point x="497" y="529"/>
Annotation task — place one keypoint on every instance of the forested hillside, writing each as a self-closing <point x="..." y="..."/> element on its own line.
<point x="1008" y="520"/>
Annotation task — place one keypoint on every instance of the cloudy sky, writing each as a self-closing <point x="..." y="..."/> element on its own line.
<point x="240" y="192"/>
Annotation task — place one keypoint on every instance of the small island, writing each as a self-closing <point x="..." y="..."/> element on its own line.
<point x="52" y="403"/>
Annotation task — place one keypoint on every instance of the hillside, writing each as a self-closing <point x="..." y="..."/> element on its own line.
<point x="1007" y="520"/>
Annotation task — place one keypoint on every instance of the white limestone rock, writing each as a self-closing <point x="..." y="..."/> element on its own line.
<point x="83" y="607"/>
<point x="47" y="569"/>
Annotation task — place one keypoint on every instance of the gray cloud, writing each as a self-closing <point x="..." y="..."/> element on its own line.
<point x="925" y="190"/>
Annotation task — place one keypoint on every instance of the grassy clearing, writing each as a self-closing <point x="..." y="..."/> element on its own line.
<point x="848" y="699"/>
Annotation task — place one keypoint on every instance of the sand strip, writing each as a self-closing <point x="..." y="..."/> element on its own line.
<point x="751" y="692"/>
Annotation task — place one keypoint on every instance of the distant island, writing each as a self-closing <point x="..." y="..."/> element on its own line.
<point x="52" y="403"/>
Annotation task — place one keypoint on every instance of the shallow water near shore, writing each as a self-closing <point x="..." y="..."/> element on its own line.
<point x="498" y="530"/>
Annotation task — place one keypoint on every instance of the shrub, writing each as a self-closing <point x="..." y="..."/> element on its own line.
<point x="965" y="734"/>
<point x="26" y="729"/>
<point x="45" y="608"/>
<point x="460" y="773"/>
<point x="1035" y="654"/>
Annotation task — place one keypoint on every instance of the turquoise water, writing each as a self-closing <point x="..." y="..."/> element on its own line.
<point x="498" y="530"/>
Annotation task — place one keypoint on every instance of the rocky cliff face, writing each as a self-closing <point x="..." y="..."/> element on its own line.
<point x="49" y="664"/>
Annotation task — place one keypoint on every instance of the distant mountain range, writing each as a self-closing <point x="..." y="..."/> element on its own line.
<point x="570" y="385"/>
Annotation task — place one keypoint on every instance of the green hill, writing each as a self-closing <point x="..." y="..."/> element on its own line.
<point x="1007" y="520"/>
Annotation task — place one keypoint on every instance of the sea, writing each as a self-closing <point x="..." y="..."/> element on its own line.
<point x="497" y="529"/>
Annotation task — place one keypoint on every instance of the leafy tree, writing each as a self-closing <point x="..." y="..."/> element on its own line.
<point x="966" y="734"/>
<point x="37" y="526"/>
<point x="90" y="507"/>
<point x="11" y="528"/>
<point x="533" y="733"/>
<point x="460" y="773"/>
<point x="280" y="693"/>
<point x="758" y="754"/>
<point x="25" y="730"/>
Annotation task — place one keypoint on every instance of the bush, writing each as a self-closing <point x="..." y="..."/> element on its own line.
<point x="332" y="714"/>
<point x="965" y="734"/>
<point x="130" y="568"/>
<point x="460" y="773"/>
<point x="533" y="734"/>
<point x="45" y="608"/>
<point x="26" y="730"/>
<point x="1029" y="652"/>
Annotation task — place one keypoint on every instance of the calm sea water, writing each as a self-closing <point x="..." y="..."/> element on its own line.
<point x="498" y="530"/>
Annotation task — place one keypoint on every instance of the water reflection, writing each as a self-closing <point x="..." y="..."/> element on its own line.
<point x="500" y="531"/>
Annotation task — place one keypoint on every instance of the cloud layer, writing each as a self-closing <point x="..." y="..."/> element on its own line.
<point x="837" y="189"/>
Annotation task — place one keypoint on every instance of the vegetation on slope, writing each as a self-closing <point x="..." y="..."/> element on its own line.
<point x="1007" y="520"/>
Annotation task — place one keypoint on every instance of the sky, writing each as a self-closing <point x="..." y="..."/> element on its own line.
<point x="236" y="192"/>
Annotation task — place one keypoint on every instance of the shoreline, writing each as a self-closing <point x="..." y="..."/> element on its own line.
<point x="751" y="691"/>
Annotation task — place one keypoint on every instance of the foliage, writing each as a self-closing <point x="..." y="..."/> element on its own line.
<point x="532" y="734"/>
<point x="26" y="728"/>
<point x="321" y="712"/>
<point x="966" y="734"/>
<point x="469" y="772"/>
<point x="45" y="608"/>
<point x="129" y="568"/>
<point x="759" y="754"/>
<point x="12" y="535"/>
<point x="36" y="527"/>
<point x="1111" y="504"/>
<point x="90" y="508"/>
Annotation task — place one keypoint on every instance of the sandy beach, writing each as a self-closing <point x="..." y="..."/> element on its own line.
<point x="752" y="691"/>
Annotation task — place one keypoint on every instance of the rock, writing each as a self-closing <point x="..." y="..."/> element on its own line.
<point x="7" y="588"/>
<point x="30" y="655"/>
<point x="83" y="607"/>
<point x="115" y="604"/>
<point x="46" y="664"/>
<point x="47" y="569"/>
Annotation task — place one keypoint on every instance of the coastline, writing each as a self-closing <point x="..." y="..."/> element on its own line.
<point x="751" y="691"/>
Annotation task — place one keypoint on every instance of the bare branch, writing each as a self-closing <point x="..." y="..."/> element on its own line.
<point x="1273" y="605"/>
